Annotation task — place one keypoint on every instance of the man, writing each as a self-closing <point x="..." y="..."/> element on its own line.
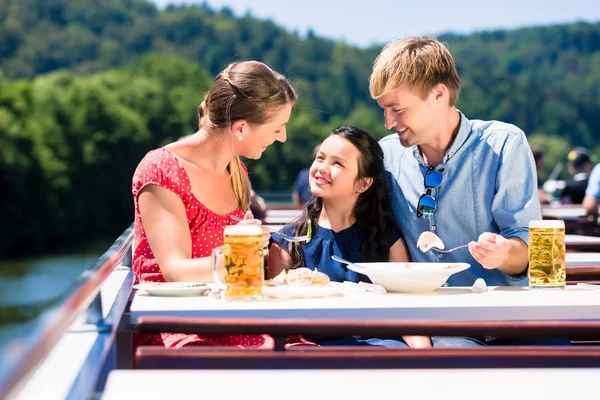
<point x="467" y="181"/>
<point x="580" y="165"/>
<point x="592" y="194"/>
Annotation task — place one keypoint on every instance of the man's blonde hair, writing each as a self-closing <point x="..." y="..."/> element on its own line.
<point x="421" y="63"/>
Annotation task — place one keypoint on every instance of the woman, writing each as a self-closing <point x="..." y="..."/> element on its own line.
<point x="187" y="192"/>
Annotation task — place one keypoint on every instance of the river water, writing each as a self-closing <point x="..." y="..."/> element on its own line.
<point x="28" y="287"/>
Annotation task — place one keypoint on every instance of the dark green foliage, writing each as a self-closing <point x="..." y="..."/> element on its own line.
<point x="87" y="87"/>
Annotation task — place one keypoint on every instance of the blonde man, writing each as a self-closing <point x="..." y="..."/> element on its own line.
<point x="468" y="181"/>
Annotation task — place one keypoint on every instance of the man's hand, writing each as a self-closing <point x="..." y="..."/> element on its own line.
<point x="490" y="250"/>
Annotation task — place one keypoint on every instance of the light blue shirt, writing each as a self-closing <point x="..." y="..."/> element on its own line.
<point x="593" y="187"/>
<point x="489" y="185"/>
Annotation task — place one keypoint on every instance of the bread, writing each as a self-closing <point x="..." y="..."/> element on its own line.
<point x="301" y="277"/>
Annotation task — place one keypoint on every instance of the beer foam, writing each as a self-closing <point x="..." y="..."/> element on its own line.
<point x="548" y="223"/>
<point x="235" y="230"/>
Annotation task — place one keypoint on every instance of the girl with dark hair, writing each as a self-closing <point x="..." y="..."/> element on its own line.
<point x="349" y="216"/>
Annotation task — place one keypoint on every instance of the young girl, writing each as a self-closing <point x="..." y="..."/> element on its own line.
<point x="187" y="192"/>
<point x="349" y="217"/>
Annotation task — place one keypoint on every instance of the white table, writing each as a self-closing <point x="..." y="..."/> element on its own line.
<point x="582" y="239"/>
<point x="444" y="304"/>
<point x="447" y="384"/>
<point x="564" y="213"/>
<point x="582" y="243"/>
<point x="582" y="259"/>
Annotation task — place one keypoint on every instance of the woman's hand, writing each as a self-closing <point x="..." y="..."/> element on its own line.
<point x="250" y="220"/>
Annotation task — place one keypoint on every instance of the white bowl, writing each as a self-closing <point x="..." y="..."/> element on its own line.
<point x="408" y="277"/>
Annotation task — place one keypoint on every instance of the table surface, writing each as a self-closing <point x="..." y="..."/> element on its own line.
<point x="583" y="260"/>
<point x="447" y="384"/>
<point x="444" y="304"/>
<point x="570" y="239"/>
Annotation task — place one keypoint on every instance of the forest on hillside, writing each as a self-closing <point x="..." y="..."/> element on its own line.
<point x="87" y="87"/>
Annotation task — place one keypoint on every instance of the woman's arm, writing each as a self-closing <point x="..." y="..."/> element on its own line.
<point x="279" y="260"/>
<point x="165" y="223"/>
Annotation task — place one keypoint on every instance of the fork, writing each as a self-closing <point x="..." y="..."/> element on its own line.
<point x="289" y="238"/>
<point x="449" y="250"/>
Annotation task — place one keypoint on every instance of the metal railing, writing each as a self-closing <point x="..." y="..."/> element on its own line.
<point x="84" y="297"/>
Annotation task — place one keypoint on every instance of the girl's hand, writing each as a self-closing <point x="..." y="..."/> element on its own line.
<point x="418" y="342"/>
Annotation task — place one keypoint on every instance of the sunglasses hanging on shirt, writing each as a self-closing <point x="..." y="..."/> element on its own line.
<point x="427" y="204"/>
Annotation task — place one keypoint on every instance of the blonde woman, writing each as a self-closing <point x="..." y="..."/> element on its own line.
<point x="187" y="192"/>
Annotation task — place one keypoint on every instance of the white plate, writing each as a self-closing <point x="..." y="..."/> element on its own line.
<point x="301" y="292"/>
<point x="173" y="288"/>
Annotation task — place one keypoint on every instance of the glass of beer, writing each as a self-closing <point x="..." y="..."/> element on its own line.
<point x="547" y="254"/>
<point x="244" y="263"/>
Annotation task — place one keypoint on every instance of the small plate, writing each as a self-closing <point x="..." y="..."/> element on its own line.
<point x="301" y="292"/>
<point x="173" y="289"/>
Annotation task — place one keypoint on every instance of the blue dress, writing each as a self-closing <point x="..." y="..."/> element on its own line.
<point x="317" y="255"/>
<point x="325" y="243"/>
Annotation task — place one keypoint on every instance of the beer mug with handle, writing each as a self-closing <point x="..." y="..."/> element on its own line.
<point x="547" y="253"/>
<point x="244" y="263"/>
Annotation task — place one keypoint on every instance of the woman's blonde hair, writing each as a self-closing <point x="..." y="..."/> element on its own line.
<point x="248" y="90"/>
<point x="420" y="63"/>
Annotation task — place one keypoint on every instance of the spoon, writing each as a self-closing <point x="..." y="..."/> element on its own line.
<point x="430" y="241"/>
<point x="351" y="266"/>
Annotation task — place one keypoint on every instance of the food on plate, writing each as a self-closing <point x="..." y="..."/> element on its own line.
<point x="427" y="240"/>
<point x="300" y="277"/>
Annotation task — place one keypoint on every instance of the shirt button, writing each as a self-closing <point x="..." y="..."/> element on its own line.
<point x="433" y="228"/>
<point x="440" y="255"/>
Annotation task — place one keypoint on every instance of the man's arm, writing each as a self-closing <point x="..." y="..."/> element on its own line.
<point x="515" y="204"/>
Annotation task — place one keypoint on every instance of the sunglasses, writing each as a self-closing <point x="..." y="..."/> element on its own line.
<point x="426" y="204"/>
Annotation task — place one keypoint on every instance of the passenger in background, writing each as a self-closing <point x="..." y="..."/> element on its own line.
<point x="349" y="216"/>
<point x="580" y="166"/>
<point x="258" y="206"/>
<point x="302" y="194"/>
<point x="592" y="194"/>
<point x="187" y="192"/>
<point x="538" y="156"/>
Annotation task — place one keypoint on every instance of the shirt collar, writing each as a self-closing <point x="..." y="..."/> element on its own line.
<point x="461" y="137"/>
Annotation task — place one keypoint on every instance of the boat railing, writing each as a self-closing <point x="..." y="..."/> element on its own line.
<point x="80" y="311"/>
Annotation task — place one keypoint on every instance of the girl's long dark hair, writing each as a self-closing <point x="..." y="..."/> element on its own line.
<point x="372" y="209"/>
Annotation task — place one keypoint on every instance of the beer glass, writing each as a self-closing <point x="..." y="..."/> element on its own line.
<point x="547" y="254"/>
<point x="244" y="264"/>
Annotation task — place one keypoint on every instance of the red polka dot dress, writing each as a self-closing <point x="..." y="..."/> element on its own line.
<point x="162" y="167"/>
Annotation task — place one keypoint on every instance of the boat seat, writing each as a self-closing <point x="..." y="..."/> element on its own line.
<point x="353" y="358"/>
<point x="280" y="328"/>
